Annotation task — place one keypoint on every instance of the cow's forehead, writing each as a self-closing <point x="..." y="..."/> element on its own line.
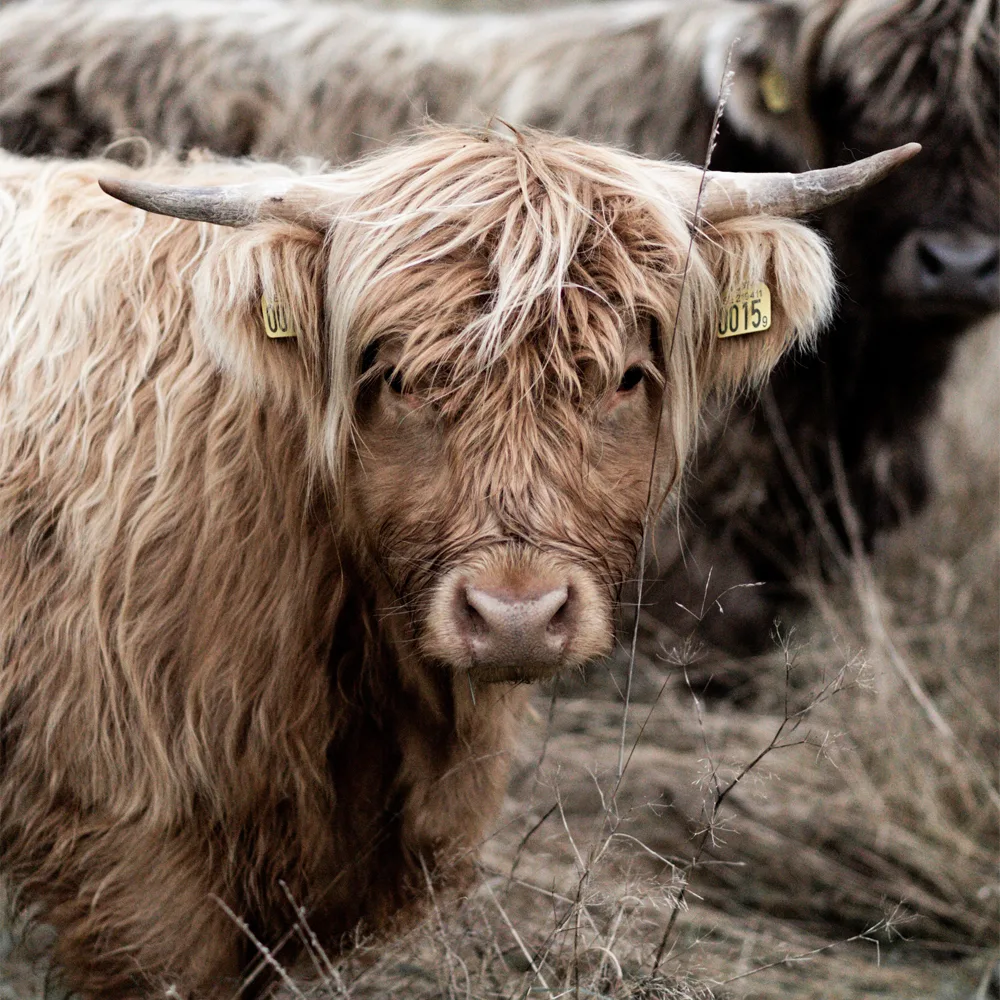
<point x="458" y="321"/>
<point x="904" y="63"/>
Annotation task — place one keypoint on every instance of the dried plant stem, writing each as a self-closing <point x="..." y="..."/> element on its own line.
<point x="725" y="86"/>
<point x="266" y="954"/>
<point x="885" y="924"/>
<point x="791" y="720"/>
<point x="517" y="937"/>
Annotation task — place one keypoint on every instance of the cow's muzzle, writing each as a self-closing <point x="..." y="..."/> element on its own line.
<point x="947" y="269"/>
<point x="516" y="616"/>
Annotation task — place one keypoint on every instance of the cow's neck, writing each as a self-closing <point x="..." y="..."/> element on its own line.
<point x="426" y="754"/>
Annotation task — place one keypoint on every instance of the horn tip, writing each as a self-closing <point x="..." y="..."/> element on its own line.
<point x="117" y="188"/>
<point x="889" y="159"/>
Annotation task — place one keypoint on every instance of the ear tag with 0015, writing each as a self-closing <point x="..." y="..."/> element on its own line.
<point x="747" y="311"/>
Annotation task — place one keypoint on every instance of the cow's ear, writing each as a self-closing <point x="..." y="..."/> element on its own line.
<point x="259" y="309"/>
<point x="768" y="104"/>
<point x="774" y="291"/>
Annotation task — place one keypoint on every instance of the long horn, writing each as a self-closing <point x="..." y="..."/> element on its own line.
<point x="228" y="205"/>
<point x="728" y="195"/>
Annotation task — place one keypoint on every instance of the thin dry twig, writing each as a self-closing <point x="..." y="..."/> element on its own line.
<point x="517" y="937"/>
<point x="266" y="954"/>
<point x="888" y="924"/>
<point x="327" y="971"/>
<point x="725" y="87"/>
<point x="790" y="723"/>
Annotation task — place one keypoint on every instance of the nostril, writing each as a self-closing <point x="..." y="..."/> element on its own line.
<point x="929" y="261"/>
<point x="473" y="619"/>
<point x="467" y="615"/>
<point x="560" y="619"/>
<point x="989" y="267"/>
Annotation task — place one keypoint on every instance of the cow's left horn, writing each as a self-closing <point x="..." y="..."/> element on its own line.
<point x="227" y="205"/>
<point x="728" y="195"/>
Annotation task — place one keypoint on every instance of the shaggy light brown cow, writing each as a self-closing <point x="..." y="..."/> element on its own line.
<point x="263" y="600"/>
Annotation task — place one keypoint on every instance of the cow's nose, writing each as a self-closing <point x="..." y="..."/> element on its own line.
<point x="957" y="266"/>
<point x="515" y="628"/>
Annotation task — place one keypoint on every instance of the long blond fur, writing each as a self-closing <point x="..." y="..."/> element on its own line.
<point x="201" y="695"/>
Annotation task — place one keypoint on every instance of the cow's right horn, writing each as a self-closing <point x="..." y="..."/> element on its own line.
<point x="728" y="195"/>
<point x="230" y="204"/>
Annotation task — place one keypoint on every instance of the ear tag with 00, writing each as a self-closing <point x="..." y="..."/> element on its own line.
<point x="277" y="323"/>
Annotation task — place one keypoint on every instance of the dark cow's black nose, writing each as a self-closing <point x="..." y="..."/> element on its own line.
<point x="954" y="266"/>
<point x="966" y="263"/>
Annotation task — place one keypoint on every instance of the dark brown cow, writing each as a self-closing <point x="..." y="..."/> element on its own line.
<point x="918" y="259"/>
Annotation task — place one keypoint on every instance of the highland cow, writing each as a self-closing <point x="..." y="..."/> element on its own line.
<point x="266" y="603"/>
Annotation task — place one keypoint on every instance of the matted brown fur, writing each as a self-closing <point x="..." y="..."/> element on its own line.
<point x="218" y="552"/>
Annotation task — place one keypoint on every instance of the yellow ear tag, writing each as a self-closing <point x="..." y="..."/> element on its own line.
<point x="276" y="320"/>
<point x="748" y="311"/>
<point x="774" y="90"/>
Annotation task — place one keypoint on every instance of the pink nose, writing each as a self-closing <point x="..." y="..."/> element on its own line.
<point x="515" y="629"/>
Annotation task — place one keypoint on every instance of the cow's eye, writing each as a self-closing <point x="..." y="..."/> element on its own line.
<point x="634" y="374"/>
<point x="394" y="380"/>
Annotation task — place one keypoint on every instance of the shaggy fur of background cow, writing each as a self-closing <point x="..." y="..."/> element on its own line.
<point x="217" y="551"/>
<point x="336" y="80"/>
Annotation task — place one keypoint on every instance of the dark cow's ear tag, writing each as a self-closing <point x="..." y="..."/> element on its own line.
<point x="747" y="311"/>
<point x="277" y="322"/>
<point x="774" y="90"/>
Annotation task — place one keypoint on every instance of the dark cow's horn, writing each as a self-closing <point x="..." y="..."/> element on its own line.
<point x="728" y="195"/>
<point x="228" y="205"/>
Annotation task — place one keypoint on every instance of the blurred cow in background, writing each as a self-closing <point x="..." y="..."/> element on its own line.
<point x="273" y="78"/>
<point x="815" y="82"/>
